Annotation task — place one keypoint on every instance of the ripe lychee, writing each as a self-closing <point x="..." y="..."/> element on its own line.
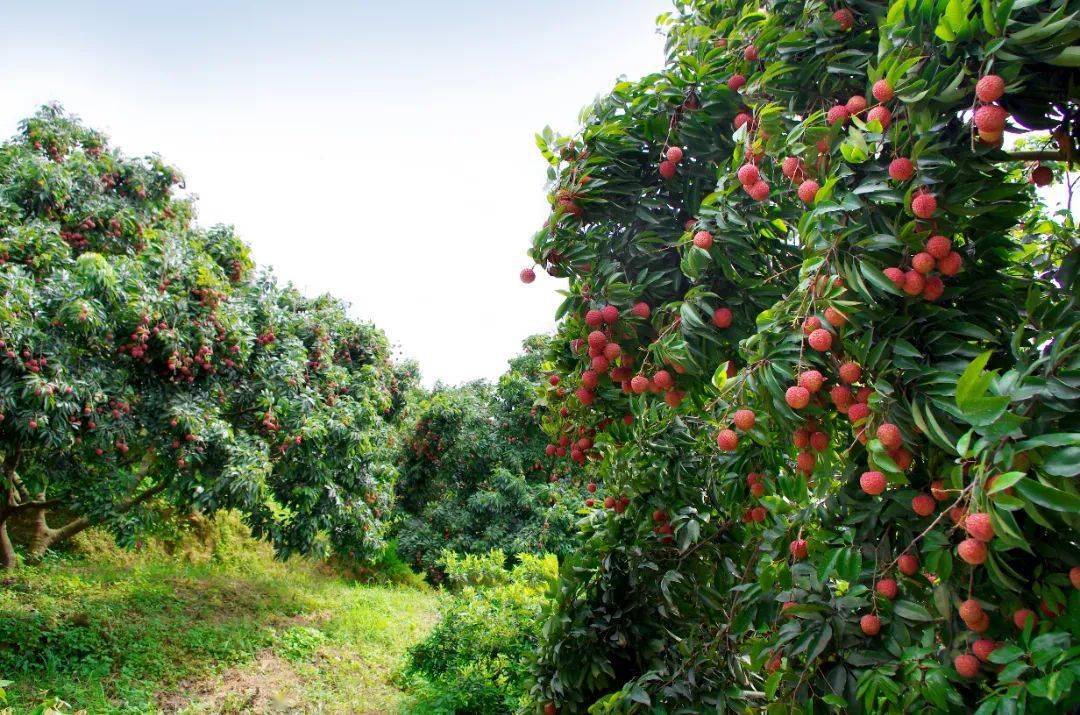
<point x="873" y="483"/>
<point x="978" y="526"/>
<point x="585" y="396"/>
<point x="990" y="88"/>
<point x="870" y="624"/>
<point x="597" y="339"/>
<point x="990" y="118"/>
<point x="808" y="190"/>
<point x="674" y="154"/>
<point x="914" y="282"/>
<point x="841" y="398"/>
<point x="792" y="168"/>
<point x="748" y="175"/>
<point x="759" y="191"/>
<point x="589" y="379"/>
<point x="742" y="118"/>
<point x="950" y="264"/>
<point x="934" y="289"/>
<point x="528" y="275"/>
<point x="703" y="239"/>
<point x="850" y="372"/>
<point x="674" y="398"/>
<point x="972" y="551"/>
<point x="722" y="317"/>
<point x="797" y="397"/>
<point x="856" y="105"/>
<point x="837" y="114"/>
<point x="908" y="564"/>
<point x="609" y="313"/>
<point x="819" y="441"/>
<point x="845" y="18"/>
<point x="798" y="549"/>
<point x="889" y="435"/>
<point x="750" y="54"/>
<point x="896" y="275"/>
<point x="971" y="611"/>
<point x="967" y="666"/>
<point x="858" y="411"/>
<point x="736" y="82"/>
<point x="811" y="324"/>
<point x="812" y="380"/>
<point x="835" y="317"/>
<point x="923" y="505"/>
<point x="805" y="462"/>
<point x="887" y="587"/>
<point x="880" y="114"/>
<point x="922" y="262"/>
<point x="639" y="384"/>
<point x="901" y="169"/>
<point x="883" y="90"/>
<point x="667" y="169"/>
<point x="939" y="246"/>
<point x="1022" y="616"/>
<point x="641" y="309"/>
<point x="1074" y="577"/>
<point x="923" y="205"/>
<point x="938" y="491"/>
<point x="744" y="419"/>
<point x="662" y="379"/>
<point x="820" y="340"/>
<point x="1042" y="176"/>
<point x="594" y="318"/>
<point x="982" y="649"/>
<point x="727" y="440"/>
<point x="801" y="438"/>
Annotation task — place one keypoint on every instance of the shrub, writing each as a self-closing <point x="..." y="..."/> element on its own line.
<point x="477" y="659"/>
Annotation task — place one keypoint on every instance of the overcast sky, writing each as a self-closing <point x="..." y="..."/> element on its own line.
<point x="381" y="152"/>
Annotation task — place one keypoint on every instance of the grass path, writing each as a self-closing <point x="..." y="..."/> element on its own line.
<point x="155" y="636"/>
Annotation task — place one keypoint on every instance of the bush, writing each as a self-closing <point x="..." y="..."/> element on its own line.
<point x="477" y="659"/>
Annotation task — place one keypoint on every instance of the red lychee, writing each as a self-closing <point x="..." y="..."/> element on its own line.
<point x="820" y="340"/>
<point x="641" y="309"/>
<point x="887" y="587"/>
<point x="750" y="54"/>
<point x="1022" y="616"/>
<point x="703" y="239"/>
<point x="856" y="105"/>
<point x="923" y="505"/>
<point x="837" y="114"/>
<point x="901" y="169"/>
<point x="594" y="319"/>
<point x="835" y="317"/>
<point x="889" y="435"/>
<point x="922" y="262"/>
<point x="1042" y="176"/>
<point x="908" y="564"/>
<point x="639" y="384"/>
<point x="845" y="18"/>
<point x="858" y="411"/>
<point x="982" y="649"/>
<point x="674" y="154"/>
<point x="748" y="175"/>
<point x="873" y="483"/>
<point x="967" y="666"/>
<point x="744" y="419"/>
<point x="950" y="264"/>
<point x="736" y="82"/>
<point x="880" y="114"/>
<point x="896" y="275"/>
<point x="882" y="90"/>
<point x="978" y="526"/>
<point x="662" y="379"/>
<point x="798" y="549"/>
<point x="990" y="118"/>
<point x="938" y="246"/>
<point x="812" y="380"/>
<point x="850" y="372"/>
<point x="528" y="275"/>
<point x="609" y="313"/>
<point x="819" y="441"/>
<point x="722" y="317"/>
<point x="808" y="190"/>
<point x="870" y="624"/>
<point x="667" y="169"/>
<point x="727" y="440"/>
<point x="972" y="551"/>
<point x="797" y="397"/>
<point x="990" y="88"/>
<point x="759" y="191"/>
<point x="934" y="289"/>
<point x="923" y="205"/>
<point x="914" y="282"/>
<point x="792" y="168"/>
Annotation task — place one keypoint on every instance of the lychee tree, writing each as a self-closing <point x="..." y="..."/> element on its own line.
<point x="825" y="333"/>
<point x="141" y="359"/>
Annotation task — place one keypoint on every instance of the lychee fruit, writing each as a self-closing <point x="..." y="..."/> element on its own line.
<point x="922" y="262"/>
<point x="703" y="239"/>
<point x="759" y="191"/>
<point x="990" y="118"/>
<point x="873" y="483"/>
<point x="950" y="264"/>
<point x="662" y="379"/>
<point x="797" y="397"/>
<point x="934" y="289"/>
<point x="641" y="309"/>
<point x="812" y="380"/>
<point x="982" y="649"/>
<point x="880" y="114"/>
<point x="856" y="105"/>
<point x="887" y="587"/>
<point x="594" y="319"/>
<point x="528" y="275"/>
<point x="835" y="317"/>
<point x="938" y="491"/>
<point x="748" y="175"/>
<point x="744" y="419"/>
<point x="722" y="317"/>
<point x="971" y="611"/>
<point x="889" y="435"/>
<point x="811" y="324"/>
<point x="939" y="246"/>
<point x="908" y="564"/>
<point x="972" y="551"/>
<point x="820" y="340"/>
<point x="667" y="169"/>
<point x="967" y="666"/>
<point x="923" y="205"/>
<point x="792" y="168"/>
<point x="901" y="169"/>
<point x="845" y="18"/>
<point x="798" y="549"/>
<point x="750" y="54"/>
<point x="736" y="82"/>
<point x="882" y="90"/>
<point x="805" y="462"/>
<point x="858" y="411"/>
<point x="978" y="526"/>
<point x="923" y="505"/>
<point x="727" y="440"/>
<point x="674" y="155"/>
<point x="819" y="441"/>
<point x="990" y="88"/>
<point x="639" y="384"/>
<point x="850" y="372"/>
<point x="870" y="624"/>
<point x="896" y="275"/>
<point x="808" y="190"/>
<point x="1022" y="616"/>
<point x="609" y="313"/>
<point x="914" y="282"/>
<point x="1042" y="176"/>
<point x="837" y="114"/>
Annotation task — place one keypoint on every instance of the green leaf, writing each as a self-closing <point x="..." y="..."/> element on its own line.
<point x="911" y="611"/>
<point x="1048" y="497"/>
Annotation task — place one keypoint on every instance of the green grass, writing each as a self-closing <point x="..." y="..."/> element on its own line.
<point x="151" y="634"/>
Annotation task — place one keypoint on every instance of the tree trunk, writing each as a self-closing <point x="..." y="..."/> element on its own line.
<point x="7" y="550"/>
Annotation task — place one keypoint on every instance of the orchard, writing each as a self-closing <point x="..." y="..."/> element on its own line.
<point x="820" y="355"/>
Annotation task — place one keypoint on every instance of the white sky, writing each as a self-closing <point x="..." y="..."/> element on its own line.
<point x="381" y="152"/>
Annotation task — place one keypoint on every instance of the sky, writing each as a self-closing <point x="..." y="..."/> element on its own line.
<point x="380" y="152"/>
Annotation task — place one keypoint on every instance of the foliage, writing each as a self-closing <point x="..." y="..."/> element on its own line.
<point x="476" y="660"/>
<point x="141" y="358"/>
<point x="821" y="326"/>
<point x="475" y="475"/>
<point x="157" y="627"/>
